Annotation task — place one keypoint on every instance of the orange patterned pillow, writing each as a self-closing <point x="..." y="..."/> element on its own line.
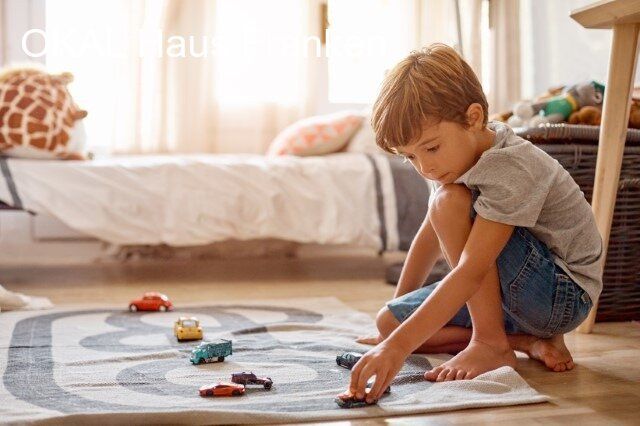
<point x="317" y="135"/>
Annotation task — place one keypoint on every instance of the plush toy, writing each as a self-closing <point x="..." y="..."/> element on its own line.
<point x="590" y="115"/>
<point x="557" y="108"/>
<point x="593" y="116"/>
<point x="501" y="116"/>
<point x="634" y="115"/>
<point x="38" y="116"/>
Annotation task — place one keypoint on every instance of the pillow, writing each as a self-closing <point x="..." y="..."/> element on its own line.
<point x="38" y="116"/>
<point x="365" y="139"/>
<point x="317" y="135"/>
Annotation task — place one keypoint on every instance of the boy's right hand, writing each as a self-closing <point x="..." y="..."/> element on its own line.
<point x="370" y="340"/>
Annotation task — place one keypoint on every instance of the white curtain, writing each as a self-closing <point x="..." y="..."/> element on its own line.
<point x="3" y="36"/>
<point x="261" y="71"/>
<point x="485" y="32"/>
<point x="252" y="82"/>
<point x="456" y="23"/>
<point x="17" y="17"/>
<point x="506" y="69"/>
<point x="489" y="35"/>
<point x="371" y="36"/>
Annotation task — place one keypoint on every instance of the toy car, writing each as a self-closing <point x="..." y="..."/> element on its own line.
<point x="151" y="301"/>
<point x="349" y="400"/>
<point x="211" y="351"/>
<point x="187" y="328"/>
<point x="222" y="389"/>
<point x="251" y="379"/>
<point x="348" y="359"/>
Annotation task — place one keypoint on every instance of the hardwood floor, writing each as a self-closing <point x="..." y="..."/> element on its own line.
<point x="604" y="388"/>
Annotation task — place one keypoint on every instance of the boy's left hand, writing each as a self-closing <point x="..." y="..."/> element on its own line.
<point x="383" y="361"/>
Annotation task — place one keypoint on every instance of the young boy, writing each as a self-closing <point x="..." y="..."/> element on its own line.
<point x="520" y="237"/>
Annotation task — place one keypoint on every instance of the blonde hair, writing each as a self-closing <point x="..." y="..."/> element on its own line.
<point x="431" y="83"/>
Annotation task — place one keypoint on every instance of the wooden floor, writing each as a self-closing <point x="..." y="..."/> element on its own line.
<point x="604" y="388"/>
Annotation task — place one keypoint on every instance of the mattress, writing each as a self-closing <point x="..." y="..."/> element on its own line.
<point x="348" y="198"/>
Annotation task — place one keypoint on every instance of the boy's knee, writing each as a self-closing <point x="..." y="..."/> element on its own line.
<point x="386" y="322"/>
<point x="451" y="199"/>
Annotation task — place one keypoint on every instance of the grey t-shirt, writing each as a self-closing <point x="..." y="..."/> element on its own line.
<point x="519" y="184"/>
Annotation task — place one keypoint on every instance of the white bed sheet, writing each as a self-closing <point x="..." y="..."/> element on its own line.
<point x="200" y="199"/>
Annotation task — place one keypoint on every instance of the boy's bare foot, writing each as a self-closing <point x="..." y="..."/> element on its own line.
<point x="551" y="352"/>
<point x="369" y="340"/>
<point x="477" y="358"/>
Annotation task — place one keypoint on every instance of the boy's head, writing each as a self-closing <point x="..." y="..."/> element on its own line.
<point x="432" y="96"/>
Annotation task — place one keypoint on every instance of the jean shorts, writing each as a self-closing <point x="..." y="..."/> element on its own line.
<point x="538" y="297"/>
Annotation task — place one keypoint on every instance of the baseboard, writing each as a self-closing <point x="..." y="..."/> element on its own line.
<point x="26" y="239"/>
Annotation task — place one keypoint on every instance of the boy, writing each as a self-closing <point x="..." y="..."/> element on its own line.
<point x="521" y="239"/>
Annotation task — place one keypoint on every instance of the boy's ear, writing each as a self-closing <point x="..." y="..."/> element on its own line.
<point x="475" y="116"/>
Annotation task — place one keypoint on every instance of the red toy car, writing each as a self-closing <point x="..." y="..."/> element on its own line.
<point x="222" y="389"/>
<point x="151" y="301"/>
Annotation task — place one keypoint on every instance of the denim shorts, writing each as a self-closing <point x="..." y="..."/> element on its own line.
<point x="538" y="297"/>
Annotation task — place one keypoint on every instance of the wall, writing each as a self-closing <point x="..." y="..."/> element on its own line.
<point x="556" y="50"/>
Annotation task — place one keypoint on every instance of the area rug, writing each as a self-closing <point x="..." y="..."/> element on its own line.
<point x="110" y="366"/>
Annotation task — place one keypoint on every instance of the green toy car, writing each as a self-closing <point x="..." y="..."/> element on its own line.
<point x="211" y="351"/>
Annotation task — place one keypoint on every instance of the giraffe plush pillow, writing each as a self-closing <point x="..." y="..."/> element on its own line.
<point x="38" y="118"/>
<point x="317" y="135"/>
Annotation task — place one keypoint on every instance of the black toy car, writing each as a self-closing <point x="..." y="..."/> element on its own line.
<point x="348" y="359"/>
<point x="348" y="400"/>
<point x="251" y="379"/>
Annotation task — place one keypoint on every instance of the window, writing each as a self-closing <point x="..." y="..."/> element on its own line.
<point x="365" y="38"/>
<point x="258" y="54"/>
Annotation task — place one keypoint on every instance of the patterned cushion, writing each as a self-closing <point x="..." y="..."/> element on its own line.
<point x="317" y="135"/>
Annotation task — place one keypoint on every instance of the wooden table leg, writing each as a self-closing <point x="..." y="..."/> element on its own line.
<point x="615" y="117"/>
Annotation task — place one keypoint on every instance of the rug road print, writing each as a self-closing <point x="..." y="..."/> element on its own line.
<point x="111" y="360"/>
<point x="76" y="358"/>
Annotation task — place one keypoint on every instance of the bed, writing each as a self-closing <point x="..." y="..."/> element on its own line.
<point x="367" y="200"/>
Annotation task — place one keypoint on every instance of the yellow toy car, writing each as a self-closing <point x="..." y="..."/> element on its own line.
<point x="187" y="328"/>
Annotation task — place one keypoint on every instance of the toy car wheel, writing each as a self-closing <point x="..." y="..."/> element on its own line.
<point x="220" y="359"/>
<point x="162" y="308"/>
<point x="235" y="392"/>
<point x="133" y="308"/>
<point x="268" y="385"/>
<point x="199" y="361"/>
<point x="209" y="392"/>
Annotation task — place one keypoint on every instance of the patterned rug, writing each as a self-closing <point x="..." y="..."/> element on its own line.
<point x="111" y="366"/>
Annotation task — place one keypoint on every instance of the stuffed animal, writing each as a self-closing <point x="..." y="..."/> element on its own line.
<point x="557" y="108"/>
<point x="590" y="115"/>
<point x="501" y="116"/>
<point x="634" y="115"/>
<point x="38" y="118"/>
<point x="593" y="115"/>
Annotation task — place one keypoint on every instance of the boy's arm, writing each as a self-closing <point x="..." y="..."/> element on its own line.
<point x="485" y="242"/>
<point x="422" y="255"/>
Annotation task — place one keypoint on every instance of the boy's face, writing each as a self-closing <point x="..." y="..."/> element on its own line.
<point x="444" y="151"/>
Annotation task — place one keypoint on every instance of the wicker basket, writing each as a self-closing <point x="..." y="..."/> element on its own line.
<point x="576" y="148"/>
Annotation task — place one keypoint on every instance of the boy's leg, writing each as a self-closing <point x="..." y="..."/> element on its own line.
<point x="551" y="352"/>
<point x="452" y="339"/>
<point x="449" y="339"/>
<point x="489" y="347"/>
<point x="456" y="226"/>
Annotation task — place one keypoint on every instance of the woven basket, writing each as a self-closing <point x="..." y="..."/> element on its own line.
<point x="576" y="148"/>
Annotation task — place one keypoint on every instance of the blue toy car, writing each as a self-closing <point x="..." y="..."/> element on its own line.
<point x="211" y="351"/>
